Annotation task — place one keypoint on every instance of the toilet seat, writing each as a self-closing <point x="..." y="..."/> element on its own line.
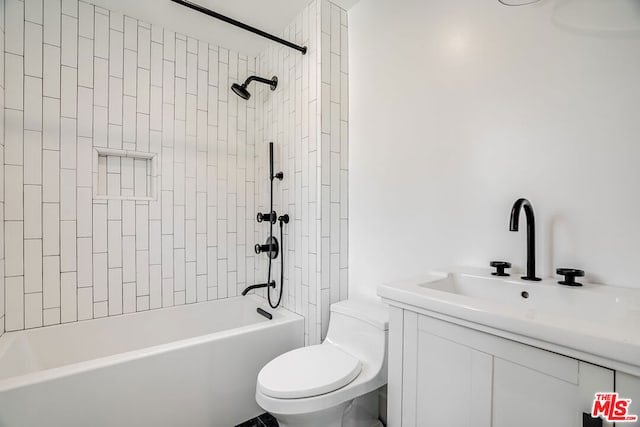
<point x="308" y="371"/>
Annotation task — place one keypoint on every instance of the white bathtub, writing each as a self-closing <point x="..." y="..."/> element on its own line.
<point x="192" y="365"/>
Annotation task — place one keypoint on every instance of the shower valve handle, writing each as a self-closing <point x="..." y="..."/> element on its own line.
<point x="271" y="217"/>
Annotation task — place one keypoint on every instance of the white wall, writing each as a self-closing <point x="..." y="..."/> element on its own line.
<point x="459" y="108"/>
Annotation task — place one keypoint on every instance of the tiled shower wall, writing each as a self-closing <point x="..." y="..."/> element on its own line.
<point x="307" y="119"/>
<point x="81" y="77"/>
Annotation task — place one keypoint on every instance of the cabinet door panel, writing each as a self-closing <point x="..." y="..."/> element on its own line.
<point x="454" y="384"/>
<point x="530" y="398"/>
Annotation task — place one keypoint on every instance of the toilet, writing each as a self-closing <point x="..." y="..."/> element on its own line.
<point x="335" y="383"/>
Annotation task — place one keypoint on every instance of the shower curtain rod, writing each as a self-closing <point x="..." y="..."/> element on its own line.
<point x="239" y="24"/>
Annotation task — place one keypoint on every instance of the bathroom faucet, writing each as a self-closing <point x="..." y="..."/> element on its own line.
<point x="531" y="235"/>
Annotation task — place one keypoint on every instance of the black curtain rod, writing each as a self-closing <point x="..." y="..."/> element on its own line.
<point x="239" y="24"/>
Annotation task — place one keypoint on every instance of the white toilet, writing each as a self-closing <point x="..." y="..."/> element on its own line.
<point x="335" y="383"/>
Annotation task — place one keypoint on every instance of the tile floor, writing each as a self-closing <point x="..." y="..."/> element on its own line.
<point x="264" y="420"/>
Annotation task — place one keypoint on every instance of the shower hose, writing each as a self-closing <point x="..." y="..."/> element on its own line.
<point x="281" y="264"/>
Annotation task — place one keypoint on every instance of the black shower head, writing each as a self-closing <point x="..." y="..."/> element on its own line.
<point x="242" y="92"/>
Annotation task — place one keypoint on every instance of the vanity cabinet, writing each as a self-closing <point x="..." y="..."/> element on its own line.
<point x="446" y="374"/>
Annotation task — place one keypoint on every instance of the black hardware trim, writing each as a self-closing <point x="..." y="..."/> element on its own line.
<point x="500" y="266"/>
<point x="264" y="313"/>
<point x="514" y="222"/>
<point x="589" y="421"/>
<point x="209" y="12"/>
<point x="570" y="275"/>
<point x="271" y="284"/>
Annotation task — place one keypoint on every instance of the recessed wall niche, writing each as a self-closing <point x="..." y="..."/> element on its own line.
<point x="124" y="175"/>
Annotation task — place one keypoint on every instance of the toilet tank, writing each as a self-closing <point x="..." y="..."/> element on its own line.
<point x="360" y="328"/>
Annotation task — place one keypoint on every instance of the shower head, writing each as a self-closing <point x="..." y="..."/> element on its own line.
<point x="242" y="92"/>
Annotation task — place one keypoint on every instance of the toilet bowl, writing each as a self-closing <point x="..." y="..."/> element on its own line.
<point x="333" y="384"/>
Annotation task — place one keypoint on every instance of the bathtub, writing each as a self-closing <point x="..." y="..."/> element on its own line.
<point x="192" y="365"/>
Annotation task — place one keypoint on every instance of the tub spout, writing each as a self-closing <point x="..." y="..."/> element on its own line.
<point x="272" y="284"/>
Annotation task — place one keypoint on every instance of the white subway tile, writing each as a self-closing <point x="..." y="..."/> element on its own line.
<point x="85" y="19"/>
<point x="32" y="211"/>
<point x="85" y="262"/>
<point x="69" y="54"/>
<point x="155" y="242"/>
<point x="130" y="33"/>
<point x="69" y="90"/>
<point x="14" y="27"/>
<point x="14" y="81"/>
<point x="67" y="246"/>
<point x="114" y="233"/>
<point x="51" y="229"/>
<point x="33" y="49"/>
<point x="100" y="309"/>
<point x="52" y="21"/>
<point x="68" y="297"/>
<point x="144" y="48"/>
<point x="155" y="287"/>
<point x="101" y="45"/>
<point x="13" y="140"/>
<point x="100" y="277"/>
<point x="115" y="291"/>
<point x="51" y="281"/>
<point x="33" y="310"/>
<point x="129" y="300"/>
<point x="179" y="269"/>
<point x="167" y="257"/>
<point x="32" y="265"/>
<point x="130" y="68"/>
<point x="84" y="213"/>
<point x="51" y="316"/>
<point x="85" y="62"/>
<point x="51" y="123"/>
<point x="33" y="11"/>
<point x="99" y="228"/>
<point x="32" y="157"/>
<point x="14" y="302"/>
<point x="70" y="7"/>
<point x="167" y="292"/>
<point x="50" y="176"/>
<point x="85" y="162"/>
<point x="142" y="272"/>
<point x="115" y="101"/>
<point x="33" y="103"/>
<point x="67" y="194"/>
<point x="116" y="54"/>
<point x="13" y="193"/>
<point x="190" y="283"/>
<point x="129" y="259"/>
<point x="85" y="303"/>
<point x="143" y="91"/>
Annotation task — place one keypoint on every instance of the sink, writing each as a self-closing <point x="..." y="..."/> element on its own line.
<point x="588" y="302"/>
<point x="594" y="320"/>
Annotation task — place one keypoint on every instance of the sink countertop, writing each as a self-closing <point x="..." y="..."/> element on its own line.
<point x="596" y="323"/>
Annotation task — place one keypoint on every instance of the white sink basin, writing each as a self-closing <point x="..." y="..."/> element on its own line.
<point x="596" y="322"/>
<point x="589" y="302"/>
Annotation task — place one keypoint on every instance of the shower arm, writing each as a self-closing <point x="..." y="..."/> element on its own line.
<point x="258" y="79"/>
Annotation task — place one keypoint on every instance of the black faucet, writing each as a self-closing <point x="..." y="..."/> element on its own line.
<point x="531" y="235"/>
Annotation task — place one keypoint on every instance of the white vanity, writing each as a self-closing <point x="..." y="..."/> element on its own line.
<point x="468" y="349"/>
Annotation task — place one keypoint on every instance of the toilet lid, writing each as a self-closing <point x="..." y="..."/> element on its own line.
<point x="308" y="371"/>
